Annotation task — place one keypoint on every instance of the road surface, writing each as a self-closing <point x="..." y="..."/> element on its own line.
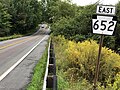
<point x="26" y="51"/>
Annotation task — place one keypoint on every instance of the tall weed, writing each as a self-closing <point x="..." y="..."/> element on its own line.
<point x="77" y="62"/>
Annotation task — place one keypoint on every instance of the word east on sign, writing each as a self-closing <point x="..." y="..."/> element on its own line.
<point x="104" y="23"/>
<point x="106" y="10"/>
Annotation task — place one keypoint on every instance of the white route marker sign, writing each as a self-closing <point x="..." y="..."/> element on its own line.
<point x="103" y="25"/>
<point x="105" y="22"/>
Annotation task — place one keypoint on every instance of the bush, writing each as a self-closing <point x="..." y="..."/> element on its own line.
<point x="84" y="55"/>
<point x="78" y="60"/>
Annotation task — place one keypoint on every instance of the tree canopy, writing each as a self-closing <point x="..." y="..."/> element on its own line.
<point x="19" y="16"/>
<point x="65" y="18"/>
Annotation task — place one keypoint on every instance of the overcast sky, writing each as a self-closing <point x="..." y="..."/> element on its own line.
<point x="87" y="2"/>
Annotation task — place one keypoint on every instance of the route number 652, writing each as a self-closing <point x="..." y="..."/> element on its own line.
<point x="104" y="25"/>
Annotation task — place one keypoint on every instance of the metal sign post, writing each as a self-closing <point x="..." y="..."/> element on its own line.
<point x="103" y="23"/>
<point x="98" y="62"/>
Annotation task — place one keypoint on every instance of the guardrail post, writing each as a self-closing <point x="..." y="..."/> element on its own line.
<point x="55" y="82"/>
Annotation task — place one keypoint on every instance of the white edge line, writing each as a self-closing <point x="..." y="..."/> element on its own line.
<point x="19" y="61"/>
<point x="46" y="72"/>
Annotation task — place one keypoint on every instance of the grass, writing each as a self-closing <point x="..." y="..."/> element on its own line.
<point x="38" y="75"/>
<point x="10" y="37"/>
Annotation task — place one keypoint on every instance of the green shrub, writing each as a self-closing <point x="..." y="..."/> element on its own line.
<point x="83" y="56"/>
<point x="77" y="61"/>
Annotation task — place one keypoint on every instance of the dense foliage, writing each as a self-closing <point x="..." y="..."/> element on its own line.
<point x="19" y="16"/>
<point x="78" y="26"/>
<point x="4" y="20"/>
<point x="77" y="64"/>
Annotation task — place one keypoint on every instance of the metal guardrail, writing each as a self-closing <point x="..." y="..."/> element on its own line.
<point x="50" y="78"/>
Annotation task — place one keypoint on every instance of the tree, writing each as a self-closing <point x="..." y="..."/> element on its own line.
<point x="77" y="23"/>
<point x="53" y="10"/>
<point x="25" y="15"/>
<point x="4" y="20"/>
<point x="117" y="33"/>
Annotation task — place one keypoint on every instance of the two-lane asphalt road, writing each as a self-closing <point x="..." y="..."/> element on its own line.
<point x="18" y="58"/>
